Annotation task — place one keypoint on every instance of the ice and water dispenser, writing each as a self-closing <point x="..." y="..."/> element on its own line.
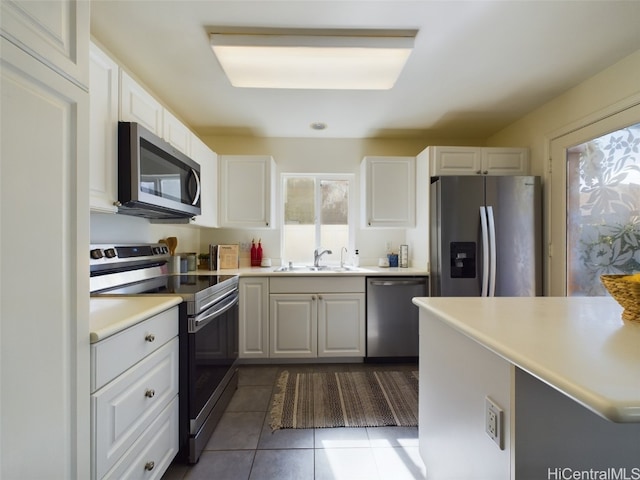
<point x="463" y="259"/>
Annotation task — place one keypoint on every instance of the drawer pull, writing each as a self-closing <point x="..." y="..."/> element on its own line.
<point x="149" y="466"/>
<point x="150" y="337"/>
<point x="150" y="393"/>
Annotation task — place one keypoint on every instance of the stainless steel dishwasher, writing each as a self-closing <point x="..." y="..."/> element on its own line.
<point x="392" y="319"/>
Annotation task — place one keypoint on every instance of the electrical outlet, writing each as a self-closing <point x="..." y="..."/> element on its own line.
<point x="493" y="422"/>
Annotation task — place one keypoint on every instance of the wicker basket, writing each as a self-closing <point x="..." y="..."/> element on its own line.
<point x="626" y="293"/>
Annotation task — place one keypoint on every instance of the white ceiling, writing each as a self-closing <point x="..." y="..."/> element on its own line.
<point x="477" y="66"/>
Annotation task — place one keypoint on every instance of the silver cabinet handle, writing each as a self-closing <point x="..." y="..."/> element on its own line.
<point x="149" y="466"/>
<point x="150" y="337"/>
<point x="150" y="393"/>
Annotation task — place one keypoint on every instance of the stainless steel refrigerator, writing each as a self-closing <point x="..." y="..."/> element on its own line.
<point x="486" y="236"/>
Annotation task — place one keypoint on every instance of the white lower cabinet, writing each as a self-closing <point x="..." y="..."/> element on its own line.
<point x="134" y="416"/>
<point x="294" y="325"/>
<point x="317" y="317"/>
<point x="154" y="451"/>
<point x="341" y="325"/>
<point x="254" y="317"/>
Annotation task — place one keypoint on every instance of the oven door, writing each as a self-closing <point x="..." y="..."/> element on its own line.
<point x="213" y="351"/>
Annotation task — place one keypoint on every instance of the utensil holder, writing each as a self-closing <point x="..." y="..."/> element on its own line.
<point x="174" y="264"/>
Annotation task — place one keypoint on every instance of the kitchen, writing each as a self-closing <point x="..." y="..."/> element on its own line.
<point x="61" y="367"/>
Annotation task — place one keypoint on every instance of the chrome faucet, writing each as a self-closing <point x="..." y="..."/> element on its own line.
<point x="317" y="256"/>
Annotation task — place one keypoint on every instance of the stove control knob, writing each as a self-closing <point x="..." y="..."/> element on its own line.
<point x="110" y="253"/>
<point x="96" y="253"/>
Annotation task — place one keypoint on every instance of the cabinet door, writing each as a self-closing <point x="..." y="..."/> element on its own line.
<point x="389" y="188"/>
<point x="455" y="161"/>
<point x="150" y="456"/>
<point x="56" y="33"/>
<point x="208" y="161"/>
<point x="122" y="410"/>
<point x="293" y="325"/>
<point x="103" y="131"/>
<point x="44" y="193"/>
<point x="254" y="317"/>
<point x="138" y="105"/>
<point x="176" y="133"/>
<point x="246" y="191"/>
<point x="505" y="161"/>
<point x="341" y="325"/>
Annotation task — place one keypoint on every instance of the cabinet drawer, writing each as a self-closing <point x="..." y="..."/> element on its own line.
<point x="122" y="410"/>
<point x="316" y="284"/>
<point x="112" y="356"/>
<point x="152" y="453"/>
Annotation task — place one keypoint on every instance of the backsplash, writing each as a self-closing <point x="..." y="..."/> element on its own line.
<point x="115" y="228"/>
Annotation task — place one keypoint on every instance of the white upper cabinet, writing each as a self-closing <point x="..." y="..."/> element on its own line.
<point x="247" y="187"/>
<point x="477" y="161"/>
<point x="138" y="105"/>
<point x="176" y="133"/>
<point x="505" y="161"/>
<point x="389" y="191"/>
<point x="103" y="131"/>
<point x="208" y="161"/>
<point x="56" y="33"/>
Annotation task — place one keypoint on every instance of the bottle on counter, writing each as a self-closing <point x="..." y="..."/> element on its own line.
<point x="254" y="254"/>
<point x="259" y="253"/>
<point x="356" y="259"/>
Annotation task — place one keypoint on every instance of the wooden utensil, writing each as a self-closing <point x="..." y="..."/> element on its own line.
<point x="172" y="243"/>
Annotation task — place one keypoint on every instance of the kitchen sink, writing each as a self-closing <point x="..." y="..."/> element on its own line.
<point x="319" y="269"/>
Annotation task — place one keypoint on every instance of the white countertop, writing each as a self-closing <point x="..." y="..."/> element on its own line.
<point x="109" y="315"/>
<point x="578" y="345"/>
<point x="270" y="271"/>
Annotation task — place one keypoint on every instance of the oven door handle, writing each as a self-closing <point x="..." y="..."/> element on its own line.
<point x="218" y="299"/>
<point x="201" y="320"/>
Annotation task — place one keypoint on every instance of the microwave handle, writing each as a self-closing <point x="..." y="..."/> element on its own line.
<point x="196" y="197"/>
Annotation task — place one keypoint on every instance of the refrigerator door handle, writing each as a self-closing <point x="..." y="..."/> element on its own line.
<point x="485" y="252"/>
<point x="492" y="254"/>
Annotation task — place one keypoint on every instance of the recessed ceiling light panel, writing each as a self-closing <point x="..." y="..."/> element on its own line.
<point x="369" y="60"/>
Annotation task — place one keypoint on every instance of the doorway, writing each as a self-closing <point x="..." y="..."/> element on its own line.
<point x="594" y="224"/>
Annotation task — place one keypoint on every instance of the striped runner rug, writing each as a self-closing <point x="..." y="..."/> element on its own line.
<point x="372" y="398"/>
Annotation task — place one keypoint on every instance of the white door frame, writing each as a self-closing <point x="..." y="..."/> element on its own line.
<point x="615" y="117"/>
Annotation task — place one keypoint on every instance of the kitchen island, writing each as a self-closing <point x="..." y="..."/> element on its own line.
<point x="564" y="371"/>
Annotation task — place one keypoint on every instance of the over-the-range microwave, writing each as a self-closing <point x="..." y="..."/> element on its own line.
<point x="155" y="180"/>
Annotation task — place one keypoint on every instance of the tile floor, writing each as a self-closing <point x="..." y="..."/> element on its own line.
<point x="244" y="447"/>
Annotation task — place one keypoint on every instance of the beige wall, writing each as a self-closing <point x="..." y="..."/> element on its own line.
<point x="581" y="105"/>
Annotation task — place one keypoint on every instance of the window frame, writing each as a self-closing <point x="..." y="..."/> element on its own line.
<point x="352" y="217"/>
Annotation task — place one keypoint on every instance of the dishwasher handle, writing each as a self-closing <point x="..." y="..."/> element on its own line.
<point x="394" y="283"/>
